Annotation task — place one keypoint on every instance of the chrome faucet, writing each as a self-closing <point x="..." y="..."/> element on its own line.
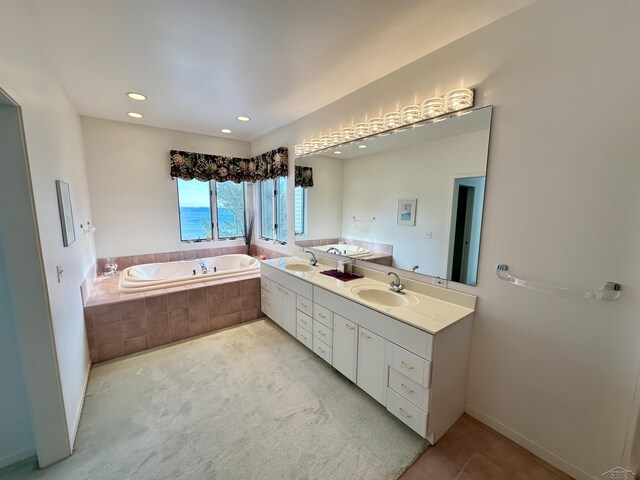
<point x="334" y="250"/>
<point x="396" y="285"/>
<point x="203" y="267"/>
<point x="415" y="267"/>
<point x="313" y="261"/>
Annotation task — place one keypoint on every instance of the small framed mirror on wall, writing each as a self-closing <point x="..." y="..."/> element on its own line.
<point x="411" y="199"/>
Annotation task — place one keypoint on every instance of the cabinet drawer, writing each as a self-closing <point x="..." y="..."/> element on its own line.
<point x="412" y="391"/>
<point x="304" y="337"/>
<point x="304" y="305"/>
<point x="323" y="332"/>
<point x="406" y="411"/>
<point x="265" y="296"/>
<point x="323" y="315"/>
<point x="304" y="321"/>
<point x="265" y="283"/>
<point x="323" y="350"/>
<point x="411" y="365"/>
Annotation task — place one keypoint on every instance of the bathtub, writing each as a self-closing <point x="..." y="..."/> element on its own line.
<point x="154" y="276"/>
<point x="348" y="250"/>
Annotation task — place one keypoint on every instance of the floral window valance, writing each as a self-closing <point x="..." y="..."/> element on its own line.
<point x="205" y="167"/>
<point x="304" y="177"/>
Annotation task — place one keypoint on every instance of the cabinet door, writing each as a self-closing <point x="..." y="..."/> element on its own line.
<point x="371" y="364"/>
<point x="345" y="346"/>
<point x="276" y="303"/>
<point x="288" y="311"/>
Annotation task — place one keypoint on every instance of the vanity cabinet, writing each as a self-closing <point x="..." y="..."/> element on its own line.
<point x="418" y="376"/>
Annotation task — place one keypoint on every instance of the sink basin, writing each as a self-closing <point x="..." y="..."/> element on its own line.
<point x="298" y="267"/>
<point x="383" y="297"/>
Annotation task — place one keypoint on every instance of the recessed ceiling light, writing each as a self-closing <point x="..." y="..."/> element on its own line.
<point x="362" y="146"/>
<point x="136" y="96"/>
<point x="337" y="152"/>
<point x="135" y="115"/>
<point x="243" y="118"/>
<point x="225" y="130"/>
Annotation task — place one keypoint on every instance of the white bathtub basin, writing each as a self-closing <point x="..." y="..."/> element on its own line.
<point x="153" y="276"/>
<point x="346" y="249"/>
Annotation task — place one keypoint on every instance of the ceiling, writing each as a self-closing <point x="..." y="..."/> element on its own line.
<point x="203" y="62"/>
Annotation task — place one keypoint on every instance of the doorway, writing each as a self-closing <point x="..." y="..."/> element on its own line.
<point x="464" y="238"/>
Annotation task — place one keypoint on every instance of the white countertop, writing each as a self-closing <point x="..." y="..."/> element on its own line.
<point x="429" y="314"/>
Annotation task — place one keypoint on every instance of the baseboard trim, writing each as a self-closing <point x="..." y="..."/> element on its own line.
<point x="16" y="457"/>
<point x="76" y="420"/>
<point x="535" y="448"/>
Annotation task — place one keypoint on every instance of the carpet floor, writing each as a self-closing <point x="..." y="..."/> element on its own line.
<point x="245" y="403"/>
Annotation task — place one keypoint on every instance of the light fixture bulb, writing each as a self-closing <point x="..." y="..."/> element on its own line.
<point x="458" y="99"/>
<point x="337" y="152"/>
<point x="362" y="146"/>
<point x="432" y="107"/>
<point x="136" y="96"/>
<point x="299" y="149"/>
<point x="348" y="134"/>
<point x="376" y="125"/>
<point x="411" y="114"/>
<point x="135" y="115"/>
<point x="392" y="120"/>
<point x="243" y="118"/>
<point x="225" y="130"/>
<point x="361" y="130"/>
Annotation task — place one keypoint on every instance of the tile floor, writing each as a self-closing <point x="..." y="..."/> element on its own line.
<point x="472" y="451"/>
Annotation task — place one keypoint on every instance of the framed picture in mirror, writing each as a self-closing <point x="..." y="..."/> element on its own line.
<point x="407" y="211"/>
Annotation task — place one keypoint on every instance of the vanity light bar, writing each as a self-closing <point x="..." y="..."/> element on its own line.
<point x="431" y="108"/>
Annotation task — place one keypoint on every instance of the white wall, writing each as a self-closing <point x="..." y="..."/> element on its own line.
<point x="424" y="171"/>
<point x="54" y="146"/>
<point x="562" y="206"/>
<point x="324" y="199"/>
<point x="134" y="199"/>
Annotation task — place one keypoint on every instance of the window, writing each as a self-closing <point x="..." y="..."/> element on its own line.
<point x="273" y="206"/>
<point x="300" y="210"/>
<point x="230" y="209"/>
<point x="196" y="201"/>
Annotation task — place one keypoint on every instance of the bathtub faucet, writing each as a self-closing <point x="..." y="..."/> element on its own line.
<point x="203" y="267"/>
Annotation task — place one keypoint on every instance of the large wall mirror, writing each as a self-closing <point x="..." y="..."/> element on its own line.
<point x="411" y="200"/>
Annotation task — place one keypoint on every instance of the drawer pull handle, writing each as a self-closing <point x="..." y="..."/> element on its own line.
<point x="408" y="415"/>
<point x="303" y="321"/>
<point x="321" y="315"/>
<point x="407" y="389"/>
<point x="322" y="333"/>
<point x="303" y="337"/>
<point x="303" y="305"/>
<point x="406" y="365"/>
<point x="365" y="335"/>
<point x="349" y="326"/>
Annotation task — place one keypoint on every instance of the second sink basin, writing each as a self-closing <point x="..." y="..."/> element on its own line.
<point x="298" y="267"/>
<point x="383" y="296"/>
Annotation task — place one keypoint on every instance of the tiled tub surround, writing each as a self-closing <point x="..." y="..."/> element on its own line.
<point x="131" y="260"/>
<point x="121" y="324"/>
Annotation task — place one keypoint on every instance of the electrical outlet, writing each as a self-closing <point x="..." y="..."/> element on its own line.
<point x="440" y="282"/>
<point x="429" y="235"/>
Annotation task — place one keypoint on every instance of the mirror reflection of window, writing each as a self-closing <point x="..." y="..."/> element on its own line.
<point x="301" y="210"/>
<point x="273" y="209"/>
